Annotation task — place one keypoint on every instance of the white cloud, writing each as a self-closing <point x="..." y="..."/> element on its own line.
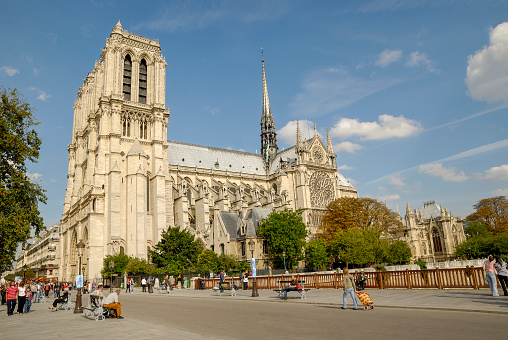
<point x="52" y="180"/>
<point x="388" y="57"/>
<point x="348" y="147"/>
<point x="417" y="59"/>
<point x="212" y="110"/>
<point x="9" y="71"/>
<point x="33" y="177"/>
<point x="352" y="181"/>
<point x="486" y="75"/>
<point x="397" y="181"/>
<point x="345" y="167"/>
<point x="500" y="192"/>
<point x="287" y="133"/>
<point x="438" y="170"/>
<point x="386" y="198"/>
<point x="330" y="89"/>
<point x="387" y="127"/>
<point x="497" y="173"/>
<point x="42" y="95"/>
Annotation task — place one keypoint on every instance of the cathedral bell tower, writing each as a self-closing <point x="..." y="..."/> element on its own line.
<point x="268" y="135"/>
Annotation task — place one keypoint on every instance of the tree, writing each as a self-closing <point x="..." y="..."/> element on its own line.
<point x="398" y="252"/>
<point x="316" y="254"/>
<point x="176" y="249"/>
<point x="120" y="264"/>
<point x="493" y="212"/>
<point x="472" y="229"/>
<point x="208" y="261"/>
<point x="137" y="266"/>
<point x="351" y="247"/>
<point x="361" y="213"/>
<point x="285" y="232"/>
<point x="19" y="195"/>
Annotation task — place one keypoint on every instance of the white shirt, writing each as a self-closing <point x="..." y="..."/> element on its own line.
<point x="21" y="291"/>
<point x="143" y="282"/>
<point x="111" y="298"/>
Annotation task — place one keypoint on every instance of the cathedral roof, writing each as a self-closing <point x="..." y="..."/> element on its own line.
<point x="430" y="209"/>
<point x="206" y="157"/>
<point x="136" y="149"/>
<point x="233" y="222"/>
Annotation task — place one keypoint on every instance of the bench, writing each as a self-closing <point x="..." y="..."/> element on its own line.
<point x="225" y="286"/>
<point x="99" y="312"/>
<point x="283" y="284"/>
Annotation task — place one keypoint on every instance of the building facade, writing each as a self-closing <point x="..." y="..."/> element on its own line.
<point x="432" y="233"/>
<point x="43" y="254"/>
<point x="127" y="182"/>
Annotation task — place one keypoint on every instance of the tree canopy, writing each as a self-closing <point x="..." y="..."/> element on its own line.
<point x="316" y="254"/>
<point x="19" y="195"/>
<point x="120" y="263"/>
<point x="176" y="250"/>
<point x="361" y="213"/>
<point x="285" y="232"/>
<point x="137" y="266"/>
<point x="492" y="212"/>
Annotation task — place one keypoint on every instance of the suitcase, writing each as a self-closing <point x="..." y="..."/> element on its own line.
<point x="365" y="299"/>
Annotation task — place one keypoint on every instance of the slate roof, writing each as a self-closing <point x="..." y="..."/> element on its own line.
<point x="232" y="221"/>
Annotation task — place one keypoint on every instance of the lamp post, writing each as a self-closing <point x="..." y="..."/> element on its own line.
<point x="24" y="271"/>
<point x="77" y="308"/>
<point x="252" y="244"/>
<point x="111" y="266"/>
<point x="284" y="257"/>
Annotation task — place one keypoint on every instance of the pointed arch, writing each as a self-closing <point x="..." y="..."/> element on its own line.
<point x="84" y="260"/>
<point x="436" y="240"/>
<point x="143" y="81"/>
<point x="73" y="253"/>
<point x="127" y="76"/>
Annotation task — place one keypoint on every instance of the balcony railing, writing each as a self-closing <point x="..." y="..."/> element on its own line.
<point x="431" y="278"/>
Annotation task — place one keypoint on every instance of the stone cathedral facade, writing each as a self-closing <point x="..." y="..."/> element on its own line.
<point x="127" y="182"/>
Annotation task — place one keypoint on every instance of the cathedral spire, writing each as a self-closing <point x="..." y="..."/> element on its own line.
<point x="268" y="134"/>
<point x="299" y="144"/>
<point x="329" y="142"/>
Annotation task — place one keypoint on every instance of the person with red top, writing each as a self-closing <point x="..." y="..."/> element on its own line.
<point x="12" y="297"/>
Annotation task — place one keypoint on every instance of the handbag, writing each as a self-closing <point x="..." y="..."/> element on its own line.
<point x="299" y="287"/>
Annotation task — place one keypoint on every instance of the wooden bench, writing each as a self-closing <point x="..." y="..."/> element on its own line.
<point x="226" y="285"/>
<point x="284" y="283"/>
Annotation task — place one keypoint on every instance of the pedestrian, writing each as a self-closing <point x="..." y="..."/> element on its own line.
<point x="2" y="293"/>
<point x="149" y="282"/>
<point x="246" y="280"/>
<point x="222" y="276"/>
<point x="111" y="301"/>
<point x="349" y="284"/>
<point x="502" y="274"/>
<point x="143" y="284"/>
<point x="491" y="272"/>
<point x="12" y="297"/>
<point x="46" y="288"/>
<point x="21" y="296"/>
<point x="28" y="300"/>
<point x="171" y="282"/>
<point x="131" y="286"/>
<point x="60" y="299"/>
<point x="156" y="284"/>
<point x="292" y="287"/>
<point x="179" y="281"/>
<point x="127" y="286"/>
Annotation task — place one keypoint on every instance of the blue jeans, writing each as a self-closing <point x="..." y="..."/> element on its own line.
<point x="288" y="289"/>
<point x="36" y="297"/>
<point x="491" y="277"/>
<point x="353" y="296"/>
<point x="28" y="304"/>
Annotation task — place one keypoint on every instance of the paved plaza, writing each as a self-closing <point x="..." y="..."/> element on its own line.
<point x="192" y="314"/>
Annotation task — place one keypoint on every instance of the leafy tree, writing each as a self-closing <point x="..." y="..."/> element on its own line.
<point x="137" y="266"/>
<point x="316" y="254"/>
<point x="351" y="247"/>
<point x="208" y="261"/>
<point x="361" y="213"/>
<point x="285" y="232"/>
<point x="473" y="229"/>
<point x="227" y="262"/>
<point x="493" y="212"/>
<point x="176" y="250"/>
<point x="19" y="196"/>
<point x="120" y="263"/>
<point x="398" y="252"/>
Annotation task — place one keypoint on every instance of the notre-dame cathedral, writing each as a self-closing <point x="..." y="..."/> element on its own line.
<point x="127" y="182"/>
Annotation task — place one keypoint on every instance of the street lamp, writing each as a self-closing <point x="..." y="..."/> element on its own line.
<point x="111" y="266"/>
<point x="24" y="271"/>
<point x="284" y="257"/>
<point x="254" y="285"/>
<point x="77" y="308"/>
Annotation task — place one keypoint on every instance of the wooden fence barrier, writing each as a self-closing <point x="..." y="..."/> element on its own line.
<point x="428" y="278"/>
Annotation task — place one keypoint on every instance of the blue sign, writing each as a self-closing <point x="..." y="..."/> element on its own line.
<point x="79" y="281"/>
<point x="253" y="266"/>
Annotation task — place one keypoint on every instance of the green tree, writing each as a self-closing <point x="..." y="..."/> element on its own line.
<point x="398" y="252"/>
<point x="472" y="229"/>
<point x="137" y="266"/>
<point x="176" y="249"/>
<point x="316" y="254"/>
<point x="351" y="247"/>
<point x="208" y="261"/>
<point x="120" y="263"/>
<point x="19" y="195"/>
<point x="475" y="247"/>
<point x="285" y="232"/>
<point x="493" y="212"/>
<point x="360" y="213"/>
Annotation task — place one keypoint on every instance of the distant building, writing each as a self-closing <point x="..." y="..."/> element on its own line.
<point x="43" y="254"/>
<point x="127" y="182"/>
<point x="432" y="233"/>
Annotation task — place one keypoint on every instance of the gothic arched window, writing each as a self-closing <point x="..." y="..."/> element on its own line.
<point x="143" y="75"/>
<point x="127" y="76"/>
<point x="436" y="239"/>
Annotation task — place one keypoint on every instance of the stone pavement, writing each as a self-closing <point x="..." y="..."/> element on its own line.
<point x="46" y="324"/>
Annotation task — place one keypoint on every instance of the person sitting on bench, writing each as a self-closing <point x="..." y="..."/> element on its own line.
<point x="111" y="301"/>
<point x="96" y="294"/>
<point x="292" y="287"/>
<point x="60" y="299"/>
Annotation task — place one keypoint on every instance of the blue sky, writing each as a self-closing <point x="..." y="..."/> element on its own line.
<point x="414" y="92"/>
